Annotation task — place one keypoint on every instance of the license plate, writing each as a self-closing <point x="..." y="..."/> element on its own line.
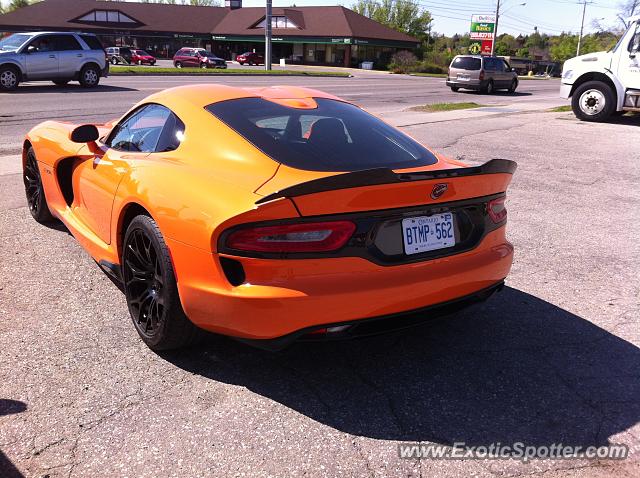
<point x="428" y="233"/>
<point x="463" y="77"/>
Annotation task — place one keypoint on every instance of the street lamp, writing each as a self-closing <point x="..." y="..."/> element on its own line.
<point x="495" y="27"/>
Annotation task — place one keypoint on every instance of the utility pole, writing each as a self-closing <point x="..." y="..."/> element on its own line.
<point x="495" y="29"/>
<point x="584" y="10"/>
<point x="267" y="37"/>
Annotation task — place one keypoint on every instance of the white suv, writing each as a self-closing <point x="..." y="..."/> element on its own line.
<point x="55" y="56"/>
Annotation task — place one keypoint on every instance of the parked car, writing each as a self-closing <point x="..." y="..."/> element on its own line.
<point x="119" y="54"/>
<point x="58" y="57"/>
<point x="197" y="58"/>
<point x="481" y="73"/>
<point x="311" y="205"/>
<point x="141" y="57"/>
<point x="250" y="58"/>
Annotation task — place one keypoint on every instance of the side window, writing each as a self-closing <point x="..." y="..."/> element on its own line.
<point x="506" y="66"/>
<point x="42" y="44"/>
<point x="634" y="44"/>
<point x="141" y="131"/>
<point x="489" y="65"/>
<point x="92" y="42"/>
<point x="172" y="134"/>
<point x="66" y="42"/>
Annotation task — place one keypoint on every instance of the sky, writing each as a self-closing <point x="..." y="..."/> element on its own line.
<point x="550" y="16"/>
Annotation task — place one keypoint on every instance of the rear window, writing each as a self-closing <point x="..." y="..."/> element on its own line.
<point x="335" y="136"/>
<point x="466" y="63"/>
<point x="92" y="42"/>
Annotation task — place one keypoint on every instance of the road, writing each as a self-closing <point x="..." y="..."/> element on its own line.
<point x="378" y="92"/>
<point x="552" y="358"/>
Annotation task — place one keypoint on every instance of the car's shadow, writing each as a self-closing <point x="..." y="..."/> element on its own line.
<point x="8" y="407"/>
<point x="516" y="368"/>
<point x="70" y="88"/>
<point x="495" y="93"/>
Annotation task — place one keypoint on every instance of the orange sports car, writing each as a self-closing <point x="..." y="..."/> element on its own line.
<point x="270" y="215"/>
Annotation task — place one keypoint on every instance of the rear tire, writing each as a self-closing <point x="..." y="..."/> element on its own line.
<point x="151" y="289"/>
<point x="490" y="88"/>
<point x="114" y="60"/>
<point x="593" y="101"/>
<point x="89" y="76"/>
<point x="203" y="66"/>
<point x="178" y="64"/>
<point x="9" y="78"/>
<point x="241" y="63"/>
<point x="455" y="89"/>
<point x="34" y="190"/>
<point x="513" y="86"/>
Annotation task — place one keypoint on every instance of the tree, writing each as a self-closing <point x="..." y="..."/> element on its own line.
<point x="506" y="45"/>
<point x="406" y="16"/>
<point x="628" y="9"/>
<point x="15" y="4"/>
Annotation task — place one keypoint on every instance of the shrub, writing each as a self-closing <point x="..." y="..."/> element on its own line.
<point x="426" y="67"/>
<point x="403" y="62"/>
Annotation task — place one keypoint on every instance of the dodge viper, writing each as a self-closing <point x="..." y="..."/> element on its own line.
<point x="270" y="215"/>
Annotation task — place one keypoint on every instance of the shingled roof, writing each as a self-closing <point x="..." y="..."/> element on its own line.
<point x="329" y="21"/>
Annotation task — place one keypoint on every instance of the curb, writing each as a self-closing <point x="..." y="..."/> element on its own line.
<point x="314" y="75"/>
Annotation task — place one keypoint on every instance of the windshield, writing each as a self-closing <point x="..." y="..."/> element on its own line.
<point x="142" y="53"/>
<point x="335" y="136"/>
<point x="13" y="42"/>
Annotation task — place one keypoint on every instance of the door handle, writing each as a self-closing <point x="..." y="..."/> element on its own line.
<point x="79" y="55"/>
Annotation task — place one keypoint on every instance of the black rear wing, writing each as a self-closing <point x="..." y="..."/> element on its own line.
<point x="372" y="177"/>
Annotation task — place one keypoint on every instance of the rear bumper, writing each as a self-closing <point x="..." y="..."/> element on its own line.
<point x="283" y="297"/>
<point x="469" y="85"/>
<point x="378" y="325"/>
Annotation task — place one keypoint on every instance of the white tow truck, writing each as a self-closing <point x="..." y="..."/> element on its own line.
<point x="605" y="83"/>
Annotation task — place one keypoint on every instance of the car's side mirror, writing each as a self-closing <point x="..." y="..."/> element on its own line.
<point x="512" y="70"/>
<point x="31" y="49"/>
<point x="87" y="133"/>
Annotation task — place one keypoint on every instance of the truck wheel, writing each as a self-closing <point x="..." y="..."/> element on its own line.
<point x="454" y="88"/>
<point x="593" y="101"/>
<point x="9" y="78"/>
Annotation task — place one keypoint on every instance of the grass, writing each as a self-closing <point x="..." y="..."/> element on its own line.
<point x="560" y="109"/>
<point x="432" y="75"/>
<point x="446" y="107"/>
<point x="144" y="70"/>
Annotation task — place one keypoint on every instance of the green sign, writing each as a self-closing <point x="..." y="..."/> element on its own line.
<point x="482" y="27"/>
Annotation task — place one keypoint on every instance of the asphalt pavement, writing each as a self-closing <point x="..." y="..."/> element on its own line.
<point x="552" y="358"/>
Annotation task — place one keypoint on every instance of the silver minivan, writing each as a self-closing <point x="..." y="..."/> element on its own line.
<point x="54" y="56"/>
<point x="481" y="73"/>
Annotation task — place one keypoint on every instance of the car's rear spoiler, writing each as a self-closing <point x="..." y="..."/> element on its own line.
<point x="371" y="177"/>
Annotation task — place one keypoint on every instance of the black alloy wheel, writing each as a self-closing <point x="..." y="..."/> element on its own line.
<point x="34" y="190"/>
<point x="151" y="289"/>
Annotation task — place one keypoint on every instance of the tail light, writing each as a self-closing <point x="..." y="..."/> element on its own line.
<point x="305" y="237"/>
<point x="497" y="210"/>
<point x="481" y="77"/>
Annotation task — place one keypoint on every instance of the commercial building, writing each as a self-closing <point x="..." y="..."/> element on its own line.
<point x="329" y="35"/>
